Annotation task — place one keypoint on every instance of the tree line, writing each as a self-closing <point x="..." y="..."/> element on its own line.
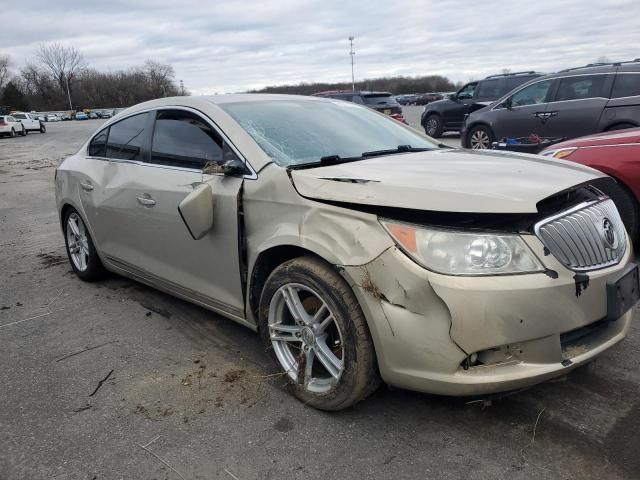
<point x="58" y="78"/>
<point x="396" y="85"/>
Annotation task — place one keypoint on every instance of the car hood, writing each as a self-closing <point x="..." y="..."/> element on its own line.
<point x="444" y="180"/>
<point x="615" y="137"/>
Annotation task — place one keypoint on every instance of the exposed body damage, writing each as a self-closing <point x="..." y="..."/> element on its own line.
<point x="427" y="324"/>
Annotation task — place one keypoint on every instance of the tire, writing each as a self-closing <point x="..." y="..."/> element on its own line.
<point x="627" y="206"/>
<point x="43" y="129"/>
<point x="433" y="126"/>
<point x="85" y="261"/>
<point x="480" y="138"/>
<point x="24" y="132"/>
<point x="13" y="133"/>
<point x="316" y="289"/>
<point x="620" y="126"/>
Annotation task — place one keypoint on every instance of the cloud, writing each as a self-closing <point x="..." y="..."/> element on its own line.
<point x="227" y="46"/>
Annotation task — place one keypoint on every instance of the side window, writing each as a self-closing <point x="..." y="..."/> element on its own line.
<point x="126" y="138"/>
<point x="357" y="99"/>
<point x="11" y="119"/>
<point x="98" y="146"/>
<point x="626" y="85"/>
<point x="488" y="89"/>
<point x="579" y="88"/>
<point x="183" y="139"/>
<point x="467" y="91"/>
<point x="531" y="95"/>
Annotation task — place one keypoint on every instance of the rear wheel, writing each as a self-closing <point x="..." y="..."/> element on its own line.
<point x="627" y="206"/>
<point x="433" y="126"/>
<point x="80" y="249"/>
<point x="316" y="334"/>
<point x="480" y="138"/>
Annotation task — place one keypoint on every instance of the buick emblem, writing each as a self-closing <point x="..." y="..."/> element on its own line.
<point x="608" y="233"/>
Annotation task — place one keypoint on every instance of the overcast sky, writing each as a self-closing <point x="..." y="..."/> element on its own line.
<point x="226" y="46"/>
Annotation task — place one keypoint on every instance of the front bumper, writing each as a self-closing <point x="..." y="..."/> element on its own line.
<point x="526" y="328"/>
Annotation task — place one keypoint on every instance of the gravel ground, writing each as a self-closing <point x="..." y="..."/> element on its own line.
<point x="187" y="393"/>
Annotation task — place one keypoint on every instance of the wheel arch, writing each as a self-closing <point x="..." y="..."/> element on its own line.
<point x="469" y="129"/>
<point x="266" y="262"/>
<point x="613" y="125"/>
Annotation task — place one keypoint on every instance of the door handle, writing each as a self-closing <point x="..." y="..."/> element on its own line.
<point x="146" y="201"/>
<point x="87" y="187"/>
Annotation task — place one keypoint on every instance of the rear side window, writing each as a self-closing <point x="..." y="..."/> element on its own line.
<point x="488" y="89"/>
<point x="626" y="85"/>
<point x="98" y="146"/>
<point x="183" y="139"/>
<point x="21" y="116"/>
<point x="579" y="88"/>
<point x="126" y="138"/>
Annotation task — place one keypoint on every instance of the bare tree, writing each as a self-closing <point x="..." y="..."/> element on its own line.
<point x="4" y="70"/>
<point x="64" y="63"/>
<point x="161" y="78"/>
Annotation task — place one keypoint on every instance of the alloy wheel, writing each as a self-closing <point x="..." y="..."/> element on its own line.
<point x="306" y="338"/>
<point x="432" y="126"/>
<point x="78" y="242"/>
<point x="480" y="140"/>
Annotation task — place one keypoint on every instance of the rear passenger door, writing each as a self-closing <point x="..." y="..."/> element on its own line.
<point x="577" y="105"/>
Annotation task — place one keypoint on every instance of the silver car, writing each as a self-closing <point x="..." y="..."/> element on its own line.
<point x="358" y="248"/>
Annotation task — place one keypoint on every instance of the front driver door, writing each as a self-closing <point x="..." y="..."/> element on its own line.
<point x="455" y="113"/>
<point x="526" y="113"/>
<point x="208" y="269"/>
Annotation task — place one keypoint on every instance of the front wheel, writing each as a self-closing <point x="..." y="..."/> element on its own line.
<point x="24" y="132"/>
<point x="627" y="206"/>
<point x="80" y="248"/>
<point x="43" y="129"/>
<point x="480" y="138"/>
<point x="13" y="133"/>
<point x="316" y="334"/>
<point x="433" y="126"/>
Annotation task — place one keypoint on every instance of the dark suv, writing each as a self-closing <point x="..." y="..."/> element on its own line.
<point x="568" y="104"/>
<point x="383" y="102"/>
<point x="449" y="114"/>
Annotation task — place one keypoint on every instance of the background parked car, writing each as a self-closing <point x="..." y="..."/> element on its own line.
<point x="52" y="117"/>
<point x="426" y="98"/>
<point x="617" y="154"/>
<point x="81" y="116"/>
<point x="11" y="127"/>
<point x="572" y="103"/>
<point x="383" y="102"/>
<point x="409" y="99"/>
<point x="30" y="122"/>
<point x="449" y="114"/>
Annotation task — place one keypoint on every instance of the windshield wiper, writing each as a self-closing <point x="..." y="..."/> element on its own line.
<point x="399" y="149"/>
<point x="324" y="161"/>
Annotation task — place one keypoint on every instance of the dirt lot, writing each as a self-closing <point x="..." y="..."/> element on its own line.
<point x="184" y="393"/>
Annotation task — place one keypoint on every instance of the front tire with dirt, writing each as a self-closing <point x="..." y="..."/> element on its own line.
<point x="316" y="334"/>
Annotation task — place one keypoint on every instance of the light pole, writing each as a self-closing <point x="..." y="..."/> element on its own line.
<point x="66" y="77"/>
<point x="352" y="53"/>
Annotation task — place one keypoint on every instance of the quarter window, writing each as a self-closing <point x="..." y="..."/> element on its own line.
<point x="126" y="138"/>
<point x="626" y="85"/>
<point x="183" y="139"/>
<point x="488" y="89"/>
<point x="579" y="88"/>
<point x="531" y="95"/>
<point x="98" y="146"/>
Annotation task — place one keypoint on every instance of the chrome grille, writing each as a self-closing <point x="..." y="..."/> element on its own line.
<point x="587" y="237"/>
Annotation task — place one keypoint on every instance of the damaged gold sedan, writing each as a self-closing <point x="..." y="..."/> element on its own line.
<point x="358" y="248"/>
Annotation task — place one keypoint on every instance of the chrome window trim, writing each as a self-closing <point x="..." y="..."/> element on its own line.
<point x="249" y="176"/>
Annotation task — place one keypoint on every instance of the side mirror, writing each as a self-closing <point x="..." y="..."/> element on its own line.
<point x="196" y="211"/>
<point x="453" y="96"/>
<point x="232" y="166"/>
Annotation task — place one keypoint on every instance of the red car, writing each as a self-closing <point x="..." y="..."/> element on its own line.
<point x="616" y="153"/>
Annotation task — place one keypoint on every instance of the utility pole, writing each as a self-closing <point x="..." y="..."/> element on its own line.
<point x="66" y="77"/>
<point x="181" y="88"/>
<point x="352" y="53"/>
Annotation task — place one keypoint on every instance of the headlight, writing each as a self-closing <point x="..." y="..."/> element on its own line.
<point x="559" y="152"/>
<point x="464" y="253"/>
